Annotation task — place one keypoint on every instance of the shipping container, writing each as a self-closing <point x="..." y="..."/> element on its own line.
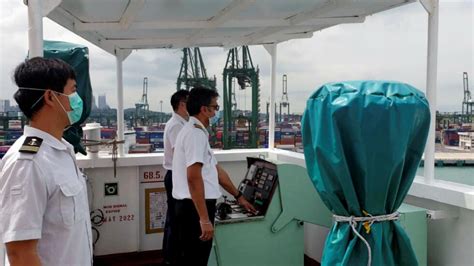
<point x="14" y="124"/>
<point x="156" y="134"/>
<point x="287" y="141"/>
<point x="140" y="148"/>
<point x="143" y="141"/>
<point x="288" y="147"/>
<point x="158" y="145"/>
<point x="3" y="150"/>
<point x="143" y="135"/>
<point x="450" y="137"/>
<point x="277" y="135"/>
<point x="13" y="135"/>
<point x="107" y="133"/>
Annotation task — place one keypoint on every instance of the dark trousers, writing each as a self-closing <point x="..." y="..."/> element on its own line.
<point x="169" y="238"/>
<point x="192" y="250"/>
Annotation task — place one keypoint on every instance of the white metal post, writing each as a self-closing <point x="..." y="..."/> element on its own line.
<point x="35" y="46"/>
<point x="3" y="257"/>
<point x="120" y="123"/>
<point x="432" y="7"/>
<point x="272" y="50"/>
<point x="35" y="28"/>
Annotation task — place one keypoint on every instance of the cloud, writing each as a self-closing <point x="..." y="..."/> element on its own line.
<point x="390" y="46"/>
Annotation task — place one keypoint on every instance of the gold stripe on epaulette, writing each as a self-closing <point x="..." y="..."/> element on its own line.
<point x="29" y="148"/>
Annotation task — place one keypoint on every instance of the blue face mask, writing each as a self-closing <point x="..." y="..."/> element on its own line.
<point x="213" y="121"/>
<point x="75" y="103"/>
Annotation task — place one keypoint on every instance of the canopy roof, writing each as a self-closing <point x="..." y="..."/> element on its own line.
<point x="147" y="24"/>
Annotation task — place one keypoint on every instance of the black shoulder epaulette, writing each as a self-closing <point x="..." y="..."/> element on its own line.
<point x="200" y="127"/>
<point x="31" y="145"/>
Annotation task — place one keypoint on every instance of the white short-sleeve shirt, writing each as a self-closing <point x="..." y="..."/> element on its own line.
<point x="43" y="196"/>
<point x="172" y="128"/>
<point x="192" y="146"/>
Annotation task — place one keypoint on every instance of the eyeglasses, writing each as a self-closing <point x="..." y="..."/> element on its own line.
<point x="216" y="107"/>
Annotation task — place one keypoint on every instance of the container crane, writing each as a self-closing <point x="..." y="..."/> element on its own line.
<point x="142" y="107"/>
<point x="193" y="72"/>
<point x="284" y="98"/>
<point x="247" y="76"/>
<point x="468" y="101"/>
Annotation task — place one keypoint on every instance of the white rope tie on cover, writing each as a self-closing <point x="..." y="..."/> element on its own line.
<point x="368" y="221"/>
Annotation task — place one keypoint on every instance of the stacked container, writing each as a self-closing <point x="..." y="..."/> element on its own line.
<point x="156" y="138"/>
<point x="107" y="133"/>
<point x="450" y="137"/>
<point x="263" y="137"/>
<point x="287" y="138"/>
<point x="12" y="135"/>
<point x="143" y="137"/>
<point x="3" y="150"/>
<point x="277" y="135"/>
<point x="298" y="139"/>
<point x="2" y="137"/>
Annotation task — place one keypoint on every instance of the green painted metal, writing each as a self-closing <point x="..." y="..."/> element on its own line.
<point x="278" y="239"/>
<point x="192" y="72"/>
<point x="246" y="75"/>
<point x="297" y="191"/>
<point x="255" y="243"/>
<point x="414" y="222"/>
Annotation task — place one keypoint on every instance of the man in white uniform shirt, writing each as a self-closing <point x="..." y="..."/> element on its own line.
<point x="196" y="180"/>
<point x="172" y="128"/>
<point x="44" y="212"/>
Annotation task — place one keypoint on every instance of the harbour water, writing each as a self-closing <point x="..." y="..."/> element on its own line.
<point x="457" y="174"/>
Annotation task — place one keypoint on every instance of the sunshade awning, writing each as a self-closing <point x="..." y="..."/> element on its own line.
<point x="142" y="24"/>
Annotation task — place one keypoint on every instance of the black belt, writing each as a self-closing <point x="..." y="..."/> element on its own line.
<point x="190" y="200"/>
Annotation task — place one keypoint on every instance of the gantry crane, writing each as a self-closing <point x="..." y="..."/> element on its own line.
<point x="468" y="101"/>
<point x="244" y="73"/>
<point x="284" y="98"/>
<point x="142" y="107"/>
<point x="193" y="72"/>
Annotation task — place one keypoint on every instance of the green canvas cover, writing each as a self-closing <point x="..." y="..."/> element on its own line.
<point x="78" y="57"/>
<point x="363" y="142"/>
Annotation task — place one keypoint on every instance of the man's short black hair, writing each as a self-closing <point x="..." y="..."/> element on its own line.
<point x="198" y="97"/>
<point x="39" y="73"/>
<point x="177" y="97"/>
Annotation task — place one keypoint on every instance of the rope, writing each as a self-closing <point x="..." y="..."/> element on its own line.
<point x="367" y="221"/>
<point x="114" y="142"/>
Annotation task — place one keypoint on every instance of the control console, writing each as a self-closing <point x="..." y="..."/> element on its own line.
<point x="257" y="187"/>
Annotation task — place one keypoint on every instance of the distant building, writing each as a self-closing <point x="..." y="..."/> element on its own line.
<point x="103" y="102"/>
<point x="94" y="106"/>
<point x="466" y="140"/>
<point x="4" y="106"/>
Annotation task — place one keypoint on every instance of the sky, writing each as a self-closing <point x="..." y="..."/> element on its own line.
<point x="388" y="46"/>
